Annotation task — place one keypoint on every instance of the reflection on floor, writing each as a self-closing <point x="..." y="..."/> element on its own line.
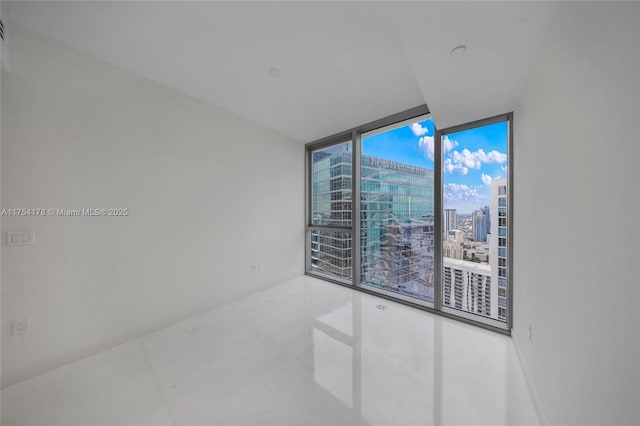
<point x="305" y="352"/>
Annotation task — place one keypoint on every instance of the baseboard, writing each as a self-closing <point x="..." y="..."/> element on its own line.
<point x="15" y="378"/>
<point x="542" y="418"/>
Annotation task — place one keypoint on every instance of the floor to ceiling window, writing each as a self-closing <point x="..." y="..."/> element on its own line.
<point x="433" y="217"/>
<point x="475" y="231"/>
<point x="397" y="210"/>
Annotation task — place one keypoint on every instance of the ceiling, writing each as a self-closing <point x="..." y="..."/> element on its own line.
<point x="342" y="63"/>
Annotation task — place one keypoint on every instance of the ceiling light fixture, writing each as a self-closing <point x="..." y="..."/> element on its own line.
<point x="458" y="50"/>
<point x="275" y="72"/>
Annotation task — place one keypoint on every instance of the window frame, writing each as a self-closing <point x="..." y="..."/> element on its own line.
<point x="310" y="226"/>
<point x="440" y="133"/>
<point x="355" y="136"/>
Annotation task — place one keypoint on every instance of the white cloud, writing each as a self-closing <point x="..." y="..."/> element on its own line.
<point x="448" y="144"/>
<point x="496" y="157"/>
<point x="473" y="160"/>
<point x="503" y="168"/>
<point x="466" y="158"/>
<point x="460" y="192"/>
<point x="418" y="130"/>
<point x="456" y="169"/>
<point x="427" y="145"/>
<point x="486" y="179"/>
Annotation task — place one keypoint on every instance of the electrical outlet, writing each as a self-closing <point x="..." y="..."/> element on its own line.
<point x="15" y="238"/>
<point x="529" y="330"/>
<point x="22" y="326"/>
<point x="255" y="267"/>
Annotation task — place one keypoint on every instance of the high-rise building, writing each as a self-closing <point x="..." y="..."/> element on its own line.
<point x="481" y="223"/>
<point x="397" y="250"/>
<point x="402" y="261"/>
<point x="332" y="188"/>
<point x="397" y="239"/>
<point x="455" y="235"/>
<point x="449" y="221"/>
<point x="331" y="250"/>
<point x="467" y="286"/>
<point x="452" y="249"/>
<point x="498" y="246"/>
<point x="479" y="287"/>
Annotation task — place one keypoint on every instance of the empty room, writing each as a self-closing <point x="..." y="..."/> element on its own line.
<point x="319" y="213"/>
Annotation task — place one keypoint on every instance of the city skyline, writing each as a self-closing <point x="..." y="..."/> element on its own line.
<point x="396" y="222"/>
<point x="471" y="158"/>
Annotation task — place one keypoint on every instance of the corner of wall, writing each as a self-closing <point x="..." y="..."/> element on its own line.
<point x="537" y="405"/>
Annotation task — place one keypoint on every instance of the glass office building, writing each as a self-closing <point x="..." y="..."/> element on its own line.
<point x="396" y="222"/>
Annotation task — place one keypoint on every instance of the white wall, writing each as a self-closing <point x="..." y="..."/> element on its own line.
<point x="209" y="195"/>
<point x="577" y="219"/>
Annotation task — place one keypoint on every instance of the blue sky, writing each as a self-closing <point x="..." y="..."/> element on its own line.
<point x="471" y="158"/>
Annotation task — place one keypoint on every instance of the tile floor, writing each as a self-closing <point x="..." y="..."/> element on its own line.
<point x="304" y="352"/>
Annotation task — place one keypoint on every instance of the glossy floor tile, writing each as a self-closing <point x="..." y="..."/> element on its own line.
<point x="304" y="352"/>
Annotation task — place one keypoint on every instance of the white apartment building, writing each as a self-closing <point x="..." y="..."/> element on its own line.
<point x="479" y="287"/>
<point x="452" y="249"/>
<point x="450" y="221"/>
<point x="455" y="235"/>
<point x="498" y="247"/>
<point x="467" y="285"/>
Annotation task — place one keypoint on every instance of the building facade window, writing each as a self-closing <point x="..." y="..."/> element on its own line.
<point x="432" y="216"/>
